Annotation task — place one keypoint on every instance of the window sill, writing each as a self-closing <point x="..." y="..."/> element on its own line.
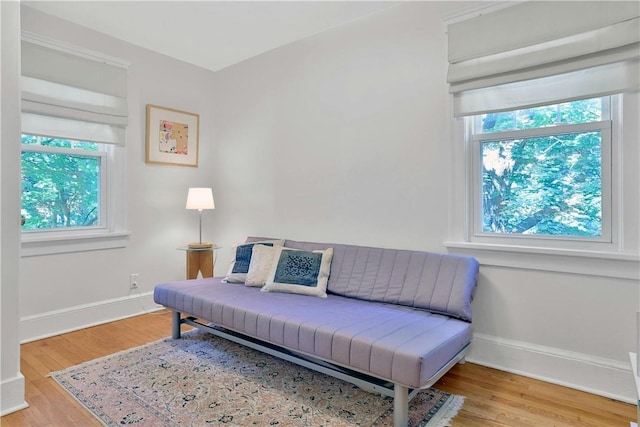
<point x="59" y="244"/>
<point x="590" y="263"/>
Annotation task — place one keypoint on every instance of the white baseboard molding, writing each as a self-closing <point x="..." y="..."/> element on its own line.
<point x="12" y="395"/>
<point x="605" y="377"/>
<point x="44" y="325"/>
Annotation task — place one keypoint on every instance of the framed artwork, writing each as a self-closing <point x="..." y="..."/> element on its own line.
<point x="172" y="137"/>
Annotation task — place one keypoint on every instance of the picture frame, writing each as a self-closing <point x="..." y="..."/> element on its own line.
<point x="172" y="137"/>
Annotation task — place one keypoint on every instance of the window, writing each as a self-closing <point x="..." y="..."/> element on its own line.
<point x="63" y="184"/>
<point x="71" y="195"/>
<point x="543" y="172"/>
<point x="547" y="114"/>
<point x="74" y="119"/>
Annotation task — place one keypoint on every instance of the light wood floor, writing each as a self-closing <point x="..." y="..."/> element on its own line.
<point x="493" y="398"/>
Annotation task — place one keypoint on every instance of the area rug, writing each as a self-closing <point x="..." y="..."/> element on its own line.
<point x="204" y="380"/>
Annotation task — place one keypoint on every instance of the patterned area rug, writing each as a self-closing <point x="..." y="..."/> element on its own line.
<point x="203" y="380"/>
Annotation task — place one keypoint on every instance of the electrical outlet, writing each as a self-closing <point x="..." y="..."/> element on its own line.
<point x="133" y="281"/>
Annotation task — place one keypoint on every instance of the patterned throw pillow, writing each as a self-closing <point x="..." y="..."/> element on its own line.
<point x="242" y="258"/>
<point x="300" y="272"/>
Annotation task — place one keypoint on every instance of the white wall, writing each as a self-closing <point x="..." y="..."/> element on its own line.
<point x="339" y="137"/>
<point x="345" y="137"/>
<point x="67" y="291"/>
<point x="11" y="380"/>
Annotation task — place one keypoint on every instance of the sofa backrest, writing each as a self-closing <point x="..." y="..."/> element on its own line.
<point x="441" y="283"/>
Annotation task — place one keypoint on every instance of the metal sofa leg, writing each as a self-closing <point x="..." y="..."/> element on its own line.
<point x="175" y="325"/>
<point x="400" y="405"/>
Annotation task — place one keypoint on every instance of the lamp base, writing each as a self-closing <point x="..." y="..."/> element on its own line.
<point x="200" y="245"/>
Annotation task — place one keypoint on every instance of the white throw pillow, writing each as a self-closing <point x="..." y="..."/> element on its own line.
<point x="260" y="266"/>
<point x="300" y="272"/>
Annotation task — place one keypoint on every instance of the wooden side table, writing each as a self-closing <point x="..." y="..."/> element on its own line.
<point x="199" y="260"/>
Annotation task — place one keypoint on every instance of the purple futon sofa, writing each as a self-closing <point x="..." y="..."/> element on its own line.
<point x="393" y="321"/>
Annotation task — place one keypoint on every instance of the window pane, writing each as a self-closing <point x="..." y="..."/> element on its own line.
<point x="60" y="190"/>
<point x="576" y="112"/>
<point x="543" y="186"/>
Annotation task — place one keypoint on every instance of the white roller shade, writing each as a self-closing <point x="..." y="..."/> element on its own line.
<point x="528" y="45"/>
<point x="72" y="96"/>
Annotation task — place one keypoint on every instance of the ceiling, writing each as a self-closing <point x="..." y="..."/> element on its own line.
<point x="210" y="34"/>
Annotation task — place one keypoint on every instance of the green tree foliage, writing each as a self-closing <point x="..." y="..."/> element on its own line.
<point x="59" y="189"/>
<point x="548" y="185"/>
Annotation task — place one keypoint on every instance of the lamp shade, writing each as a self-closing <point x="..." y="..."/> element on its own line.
<point x="200" y="198"/>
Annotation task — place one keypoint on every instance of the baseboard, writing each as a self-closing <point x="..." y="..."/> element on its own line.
<point x="70" y="319"/>
<point x="12" y="395"/>
<point x="592" y="374"/>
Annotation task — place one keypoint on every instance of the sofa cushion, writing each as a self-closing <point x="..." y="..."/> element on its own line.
<point x="395" y="343"/>
<point x="441" y="283"/>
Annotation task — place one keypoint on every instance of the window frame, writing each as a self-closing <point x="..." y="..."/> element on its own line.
<point x="607" y="241"/>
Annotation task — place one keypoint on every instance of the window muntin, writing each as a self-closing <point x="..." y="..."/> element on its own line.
<point x="544" y="172"/>
<point x="63" y="184"/>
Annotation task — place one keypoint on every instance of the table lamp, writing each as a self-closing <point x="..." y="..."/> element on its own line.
<point x="200" y="198"/>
